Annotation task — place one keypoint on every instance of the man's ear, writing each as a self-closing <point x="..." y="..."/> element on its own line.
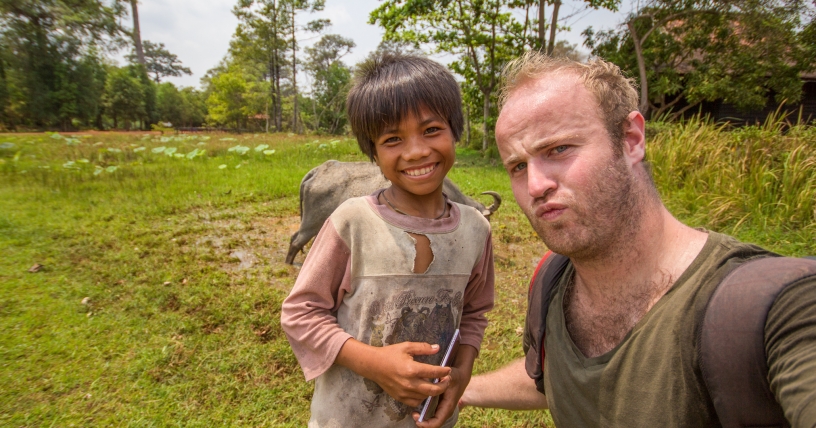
<point x="634" y="138"/>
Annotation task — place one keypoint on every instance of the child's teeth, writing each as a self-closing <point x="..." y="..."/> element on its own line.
<point x="420" y="171"/>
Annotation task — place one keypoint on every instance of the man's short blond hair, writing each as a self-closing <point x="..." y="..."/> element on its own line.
<point x="616" y="94"/>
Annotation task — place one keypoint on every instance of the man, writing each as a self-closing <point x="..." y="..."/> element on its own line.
<point x="620" y="338"/>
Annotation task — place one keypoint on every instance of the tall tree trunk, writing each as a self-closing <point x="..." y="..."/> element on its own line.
<point x="295" y="114"/>
<point x="137" y="34"/>
<point x="644" y="84"/>
<point x="278" y="102"/>
<point x="542" y="24"/>
<point x="467" y="125"/>
<point x="275" y="76"/>
<point x="553" y="27"/>
<point x="485" y="116"/>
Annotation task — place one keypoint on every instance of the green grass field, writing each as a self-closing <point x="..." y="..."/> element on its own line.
<point x="158" y="299"/>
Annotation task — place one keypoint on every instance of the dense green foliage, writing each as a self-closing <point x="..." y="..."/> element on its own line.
<point x="50" y="60"/>
<point x="686" y="52"/>
<point x="159" y="61"/>
<point x="158" y="299"/>
<point x="483" y="35"/>
<point x="55" y="72"/>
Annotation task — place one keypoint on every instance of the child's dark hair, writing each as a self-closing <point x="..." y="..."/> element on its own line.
<point x="388" y="88"/>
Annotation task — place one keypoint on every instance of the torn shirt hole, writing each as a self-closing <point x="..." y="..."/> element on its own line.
<point x="424" y="254"/>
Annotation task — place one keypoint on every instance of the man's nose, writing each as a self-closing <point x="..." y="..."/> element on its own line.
<point x="540" y="179"/>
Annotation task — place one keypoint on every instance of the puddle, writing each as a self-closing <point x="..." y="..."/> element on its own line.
<point x="247" y="259"/>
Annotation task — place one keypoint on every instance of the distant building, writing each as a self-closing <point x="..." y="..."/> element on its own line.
<point x="724" y="112"/>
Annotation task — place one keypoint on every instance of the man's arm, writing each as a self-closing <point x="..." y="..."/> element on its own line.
<point x="790" y="346"/>
<point x="506" y="388"/>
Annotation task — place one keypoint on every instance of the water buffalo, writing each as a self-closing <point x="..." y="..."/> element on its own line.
<point x="325" y="187"/>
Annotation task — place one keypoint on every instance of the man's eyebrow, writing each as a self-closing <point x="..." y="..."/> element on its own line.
<point x="511" y="160"/>
<point x="539" y="146"/>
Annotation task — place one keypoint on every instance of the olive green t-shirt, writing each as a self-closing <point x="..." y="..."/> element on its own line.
<point x="653" y="378"/>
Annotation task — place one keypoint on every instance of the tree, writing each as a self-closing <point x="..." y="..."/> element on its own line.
<point x="169" y="104"/>
<point x="194" y="107"/>
<point x="158" y="61"/>
<point x="267" y="36"/>
<point x="227" y="101"/>
<point x="313" y="26"/>
<point x="394" y="47"/>
<point x="481" y="33"/>
<point x="137" y="33"/>
<point x="540" y="40"/>
<point x="261" y="38"/>
<point x="330" y="80"/>
<point x="182" y="108"/>
<point x="692" y="51"/>
<point x="47" y="47"/>
<point x="124" y="95"/>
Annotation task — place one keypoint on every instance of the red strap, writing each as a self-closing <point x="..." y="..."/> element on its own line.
<point x="540" y="263"/>
<point x="535" y="274"/>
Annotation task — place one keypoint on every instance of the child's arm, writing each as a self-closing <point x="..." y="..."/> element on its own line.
<point x="307" y="314"/>
<point x="394" y="369"/>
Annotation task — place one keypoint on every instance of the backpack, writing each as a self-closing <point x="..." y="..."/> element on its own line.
<point x="735" y="315"/>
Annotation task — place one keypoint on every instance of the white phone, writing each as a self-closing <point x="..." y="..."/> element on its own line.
<point x="427" y="403"/>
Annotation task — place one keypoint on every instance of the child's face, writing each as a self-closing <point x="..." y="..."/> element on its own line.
<point x="417" y="153"/>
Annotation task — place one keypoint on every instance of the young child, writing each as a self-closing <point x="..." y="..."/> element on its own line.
<point x="392" y="275"/>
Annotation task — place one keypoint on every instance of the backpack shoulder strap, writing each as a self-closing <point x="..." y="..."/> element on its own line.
<point x="546" y="276"/>
<point x="732" y="340"/>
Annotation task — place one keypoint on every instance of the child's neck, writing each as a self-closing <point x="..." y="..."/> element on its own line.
<point x="433" y="205"/>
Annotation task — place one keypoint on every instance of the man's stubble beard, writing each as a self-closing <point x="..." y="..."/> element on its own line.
<point x="605" y="217"/>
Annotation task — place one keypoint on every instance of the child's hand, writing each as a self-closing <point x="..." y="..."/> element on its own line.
<point x="405" y="379"/>
<point x="394" y="369"/>
<point x="458" y="381"/>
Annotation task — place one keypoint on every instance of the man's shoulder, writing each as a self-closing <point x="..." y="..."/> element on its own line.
<point x="724" y="253"/>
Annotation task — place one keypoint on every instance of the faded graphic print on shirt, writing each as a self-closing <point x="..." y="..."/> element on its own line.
<point x="407" y="317"/>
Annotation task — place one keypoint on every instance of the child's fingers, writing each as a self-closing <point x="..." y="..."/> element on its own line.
<point x="419" y="348"/>
<point x="427" y="371"/>
<point x="443" y="411"/>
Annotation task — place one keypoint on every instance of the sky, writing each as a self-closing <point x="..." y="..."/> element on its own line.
<point x="199" y="31"/>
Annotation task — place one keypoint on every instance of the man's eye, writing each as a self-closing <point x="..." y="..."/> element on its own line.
<point x="560" y="149"/>
<point x="520" y="166"/>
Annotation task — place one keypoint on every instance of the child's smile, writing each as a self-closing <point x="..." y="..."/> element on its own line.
<point x="416" y="172"/>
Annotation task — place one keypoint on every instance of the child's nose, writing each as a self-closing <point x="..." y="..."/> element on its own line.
<point x="416" y="149"/>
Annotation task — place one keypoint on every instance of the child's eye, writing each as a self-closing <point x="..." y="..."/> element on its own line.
<point x="431" y="130"/>
<point x="390" y="140"/>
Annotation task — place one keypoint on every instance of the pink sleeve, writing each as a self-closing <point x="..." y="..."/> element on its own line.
<point x="478" y="298"/>
<point x="308" y="314"/>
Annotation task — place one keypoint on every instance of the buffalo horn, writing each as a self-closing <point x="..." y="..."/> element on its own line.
<point x="495" y="205"/>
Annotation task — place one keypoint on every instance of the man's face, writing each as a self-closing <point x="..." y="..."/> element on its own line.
<point x="578" y="195"/>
